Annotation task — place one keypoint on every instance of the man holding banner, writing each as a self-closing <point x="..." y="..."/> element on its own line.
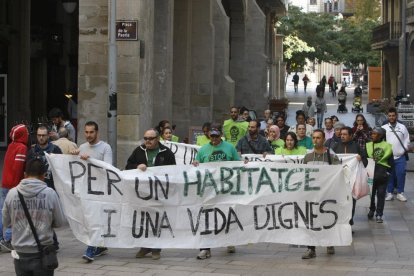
<point x="150" y="154"/>
<point x="94" y="148"/>
<point x="319" y="156"/>
<point x="216" y="151"/>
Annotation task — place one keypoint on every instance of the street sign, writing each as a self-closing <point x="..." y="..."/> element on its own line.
<point x="407" y="119"/>
<point x="126" y="30"/>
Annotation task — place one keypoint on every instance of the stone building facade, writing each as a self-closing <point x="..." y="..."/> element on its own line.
<point x="193" y="60"/>
<point x="397" y="47"/>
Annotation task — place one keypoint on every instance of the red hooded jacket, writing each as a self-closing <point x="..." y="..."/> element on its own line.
<point x="15" y="158"/>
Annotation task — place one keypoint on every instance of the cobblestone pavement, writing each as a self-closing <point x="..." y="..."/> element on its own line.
<point x="377" y="249"/>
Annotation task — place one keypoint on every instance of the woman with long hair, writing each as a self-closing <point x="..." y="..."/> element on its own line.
<point x="361" y="131"/>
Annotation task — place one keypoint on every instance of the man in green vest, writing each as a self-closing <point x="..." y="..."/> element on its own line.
<point x="234" y="129"/>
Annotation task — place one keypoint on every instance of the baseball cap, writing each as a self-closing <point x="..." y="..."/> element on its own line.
<point x="215" y="131"/>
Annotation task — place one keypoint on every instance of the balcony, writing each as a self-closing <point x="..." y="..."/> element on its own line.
<point x="386" y="35"/>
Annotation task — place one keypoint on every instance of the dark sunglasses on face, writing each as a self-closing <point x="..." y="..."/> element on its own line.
<point x="214" y="136"/>
<point x="149" y="138"/>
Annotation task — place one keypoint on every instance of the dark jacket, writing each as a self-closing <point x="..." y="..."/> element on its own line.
<point x="139" y="156"/>
<point x="351" y="147"/>
<point x="37" y="152"/>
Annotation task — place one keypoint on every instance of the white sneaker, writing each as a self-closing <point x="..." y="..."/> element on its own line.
<point x="389" y="197"/>
<point x="204" y="254"/>
<point x="401" y="197"/>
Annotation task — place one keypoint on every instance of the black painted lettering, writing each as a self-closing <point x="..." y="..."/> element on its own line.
<point x="139" y="195"/>
<point x="232" y="218"/>
<point x="165" y="224"/>
<point x="285" y="223"/>
<point x="194" y="228"/>
<point x="273" y="212"/>
<point x="207" y="230"/>
<point x="134" y="225"/>
<point x="149" y="223"/>
<point x="312" y="216"/>
<point x="256" y="217"/>
<point x="108" y="232"/>
<point x="112" y="181"/>
<point x="218" y="229"/>
<point x="72" y="176"/>
<point x="91" y="178"/>
<point x="323" y="211"/>
<point x="158" y="183"/>
<point x="303" y="215"/>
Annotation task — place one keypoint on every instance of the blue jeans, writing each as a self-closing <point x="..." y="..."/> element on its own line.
<point x="7" y="234"/>
<point x="397" y="172"/>
<point x="319" y="118"/>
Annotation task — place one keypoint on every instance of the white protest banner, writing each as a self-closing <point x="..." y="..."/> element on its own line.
<point x="184" y="153"/>
<point x="213" y="205"/>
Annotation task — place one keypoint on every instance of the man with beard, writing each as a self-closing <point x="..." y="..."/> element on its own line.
<point x="234" y="129"/>
<point x="94" y="148"/>
<point x="319" y="156"/>
<point x="216" y="151"/>
<point x="150" y="154"/>
<point x="253" y="142"/>
<point x="397" y="135"/>
<point x="347" y="145"/>
<point x="38" y="151"/>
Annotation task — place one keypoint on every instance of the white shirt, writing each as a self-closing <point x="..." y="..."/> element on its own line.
<point x="402" y="132"/>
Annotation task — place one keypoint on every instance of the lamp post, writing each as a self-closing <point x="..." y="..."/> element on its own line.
<point x="112" y="82"/>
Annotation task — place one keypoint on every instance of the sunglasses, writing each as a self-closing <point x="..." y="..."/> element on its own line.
<point x="149" y="138"/>
<point x="214" y="136"/>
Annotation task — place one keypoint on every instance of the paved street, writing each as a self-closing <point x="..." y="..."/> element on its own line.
<point x="377" y="249"/>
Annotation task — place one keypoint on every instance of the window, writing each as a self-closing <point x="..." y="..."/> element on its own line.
<point x="312" y="2"/>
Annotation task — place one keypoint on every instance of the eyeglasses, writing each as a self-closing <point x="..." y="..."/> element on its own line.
<point x="149" y="138"/>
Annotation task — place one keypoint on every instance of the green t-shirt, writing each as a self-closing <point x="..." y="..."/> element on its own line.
<point x="222" y="152"/>
<point x="306" y="142"/>
<point x="202" y="140"/>
<point x="380" y="152"/>
<point x="234" y="130"/>
<point x="151" y="154"/>
<point x="279" y="143"/>
<point x="294" y="151"/>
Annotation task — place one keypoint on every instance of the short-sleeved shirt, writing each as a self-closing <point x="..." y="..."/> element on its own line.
<point x="234" y="130"/>
<point x="294" y="151"/>
<point x="222" y="152"/>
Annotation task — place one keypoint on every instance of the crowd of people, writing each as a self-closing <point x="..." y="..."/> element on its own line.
<point x="26" y="170"/>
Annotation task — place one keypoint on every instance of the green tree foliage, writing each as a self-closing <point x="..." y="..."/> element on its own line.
<point x="330" y="38"/>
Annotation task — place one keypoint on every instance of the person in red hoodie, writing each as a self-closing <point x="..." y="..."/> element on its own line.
<point x="13" y="172"/>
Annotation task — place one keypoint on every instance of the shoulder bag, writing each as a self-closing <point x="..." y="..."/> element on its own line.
<point x="405" y="150"/>
<point x="48" y="253"/>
